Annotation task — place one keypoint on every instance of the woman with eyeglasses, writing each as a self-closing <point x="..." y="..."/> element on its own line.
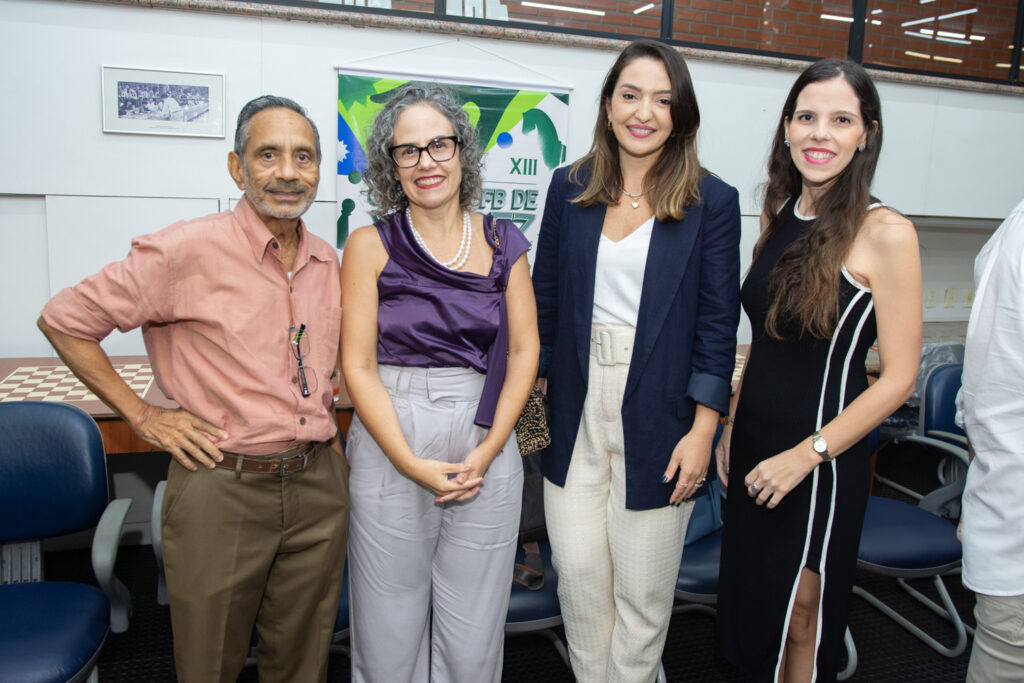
<point x="637" y="279"/>
<point x="439" y="352"/>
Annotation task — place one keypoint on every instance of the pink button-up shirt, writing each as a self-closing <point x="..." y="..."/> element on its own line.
<point x="216" y="308"/>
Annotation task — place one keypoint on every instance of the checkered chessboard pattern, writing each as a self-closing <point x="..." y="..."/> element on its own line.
<point x="57" y="383"/>
<point x="737" y="370"/>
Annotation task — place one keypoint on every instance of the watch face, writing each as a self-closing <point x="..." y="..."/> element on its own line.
<point x="819" y="445"/>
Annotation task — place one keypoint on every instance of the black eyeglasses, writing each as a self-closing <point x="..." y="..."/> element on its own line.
<point x="299" y="340"/>
<point x="439" y="149"/>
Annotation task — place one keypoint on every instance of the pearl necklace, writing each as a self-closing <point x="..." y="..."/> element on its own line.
<point x="465" y="243"/>
<point x="636" y="197"/>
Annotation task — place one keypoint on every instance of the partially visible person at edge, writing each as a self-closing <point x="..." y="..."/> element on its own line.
<point x="833" y="268"/>
<point x="226" y="303"/>
<point x="637" y="281"/>
<point x="440" y="350"/>
<point x="991" y="410"/>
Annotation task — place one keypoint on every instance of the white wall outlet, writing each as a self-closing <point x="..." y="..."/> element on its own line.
<point x="950" y="299"/>
<point x="931" y="297"/>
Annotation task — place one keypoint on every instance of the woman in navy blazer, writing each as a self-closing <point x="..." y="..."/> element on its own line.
<point x="637" y="285"/>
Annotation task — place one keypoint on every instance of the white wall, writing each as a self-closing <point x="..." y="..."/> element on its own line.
<point x="81" y="192"/>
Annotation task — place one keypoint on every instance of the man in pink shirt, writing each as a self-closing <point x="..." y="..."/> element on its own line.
<point x="241" y="315"/>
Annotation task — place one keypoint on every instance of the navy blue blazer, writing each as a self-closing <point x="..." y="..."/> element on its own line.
<point x="685" y="346"/>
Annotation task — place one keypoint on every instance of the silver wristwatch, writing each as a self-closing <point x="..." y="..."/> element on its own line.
<point x="820" y="446"/>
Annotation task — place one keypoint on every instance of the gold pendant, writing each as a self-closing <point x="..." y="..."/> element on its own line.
<point x="636" y="203"/>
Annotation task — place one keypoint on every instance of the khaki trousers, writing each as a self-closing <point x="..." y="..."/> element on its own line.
<point x="617" y="568"/>
<point x="255" y="549"/>
<point x="998" y="652"/>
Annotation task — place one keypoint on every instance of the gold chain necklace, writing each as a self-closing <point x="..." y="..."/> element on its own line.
<point x="636" y="197"/>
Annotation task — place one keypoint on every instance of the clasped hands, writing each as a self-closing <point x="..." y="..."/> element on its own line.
<point x="451" y="481"/>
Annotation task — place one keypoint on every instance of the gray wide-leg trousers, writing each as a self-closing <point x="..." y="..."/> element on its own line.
<point x="429" y="583"/>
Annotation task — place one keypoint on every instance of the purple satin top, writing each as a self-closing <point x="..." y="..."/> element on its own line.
<point x="431" y="317"/>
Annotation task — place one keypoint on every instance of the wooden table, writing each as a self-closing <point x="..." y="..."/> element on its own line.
<point x="48" y="379"/>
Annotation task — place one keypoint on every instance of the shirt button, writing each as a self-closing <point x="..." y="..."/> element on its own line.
<point x="295" y="380"/>
<point x="274" y="244"/>
<point x="302" y="420"/>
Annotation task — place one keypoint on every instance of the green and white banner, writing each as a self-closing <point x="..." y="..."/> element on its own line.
<point x="522" y="131"/>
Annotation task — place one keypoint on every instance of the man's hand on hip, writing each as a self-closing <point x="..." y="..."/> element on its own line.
<point x="182" y="434"/>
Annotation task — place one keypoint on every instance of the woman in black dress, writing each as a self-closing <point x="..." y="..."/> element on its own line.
<point x="833" y="268"/>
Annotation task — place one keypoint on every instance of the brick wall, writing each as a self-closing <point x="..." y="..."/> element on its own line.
<point x="979" y="45"/>
<point x="793" y="27"/>
<point x="618" y="16"/>
<point x="413" y="5"/>
<point x="888" y="43"/>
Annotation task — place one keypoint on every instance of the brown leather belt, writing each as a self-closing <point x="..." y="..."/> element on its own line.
<point x="282" y="464"/>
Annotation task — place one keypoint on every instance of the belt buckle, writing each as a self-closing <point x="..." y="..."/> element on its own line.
<point x="605" y="347"/>
<point x="305" y="461"/>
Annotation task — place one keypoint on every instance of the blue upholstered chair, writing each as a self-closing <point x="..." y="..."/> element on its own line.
<point x="937" y="431"/>
<point x="53" y="481"/>
<point x="537" y="611"/>
<point x="912" y="542"/>
<point x="697" y="584"/>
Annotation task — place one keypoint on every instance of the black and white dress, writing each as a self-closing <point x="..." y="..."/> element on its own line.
<point x="792" y="387"/>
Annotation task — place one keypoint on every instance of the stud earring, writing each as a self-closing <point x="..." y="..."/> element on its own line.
<point x="861" y="148"/>
<point x="786" y="142"/>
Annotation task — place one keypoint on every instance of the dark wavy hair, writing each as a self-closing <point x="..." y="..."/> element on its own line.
<point x="383" y="190"/>
<point x="804" y="281"/>
<point x="259" y="104"/>
<point x="675" y="177"/>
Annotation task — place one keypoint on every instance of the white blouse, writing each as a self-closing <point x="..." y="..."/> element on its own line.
<point x="620" y="276"/>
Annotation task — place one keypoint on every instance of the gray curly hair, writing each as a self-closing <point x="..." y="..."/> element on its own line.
<point x="383" y="190"/>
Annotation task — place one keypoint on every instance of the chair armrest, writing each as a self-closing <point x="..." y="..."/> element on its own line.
<point x="939" y="444"/>
<point x="104" y="554"/>
<point x="157" y="536"/>
<point x="944" y="501"/>
<point x="948" y="436"/>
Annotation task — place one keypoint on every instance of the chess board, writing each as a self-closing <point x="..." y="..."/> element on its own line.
<point x="737" y="371"/>
<point x="57" y="383"/>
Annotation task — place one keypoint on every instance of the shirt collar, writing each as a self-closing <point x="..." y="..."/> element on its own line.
<point x="260" y="237"/>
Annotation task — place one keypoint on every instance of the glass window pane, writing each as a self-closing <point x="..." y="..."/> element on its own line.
<point x="426" y="6"/>
<point x="635" y="18"/>
<point x="951" y="37"/>
<point x="793" y="27"/>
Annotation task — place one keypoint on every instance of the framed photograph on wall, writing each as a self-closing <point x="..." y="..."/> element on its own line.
<point x="154" y="102"/>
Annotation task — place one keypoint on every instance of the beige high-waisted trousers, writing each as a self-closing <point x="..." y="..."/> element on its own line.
<point x="617" y="568"/>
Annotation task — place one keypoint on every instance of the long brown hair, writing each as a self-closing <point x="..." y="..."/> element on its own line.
<point x="675" y="177"/>
<point x="804" y="281"/>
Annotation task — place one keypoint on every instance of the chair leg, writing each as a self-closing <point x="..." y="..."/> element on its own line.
<point x="899" y="487"/>
<point x="947" y="611"/>
<point x="559" y="645"/>
<point x="851" y="657"/>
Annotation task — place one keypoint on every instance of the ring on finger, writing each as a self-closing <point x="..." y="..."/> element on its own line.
<point x="755" y="489"/>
